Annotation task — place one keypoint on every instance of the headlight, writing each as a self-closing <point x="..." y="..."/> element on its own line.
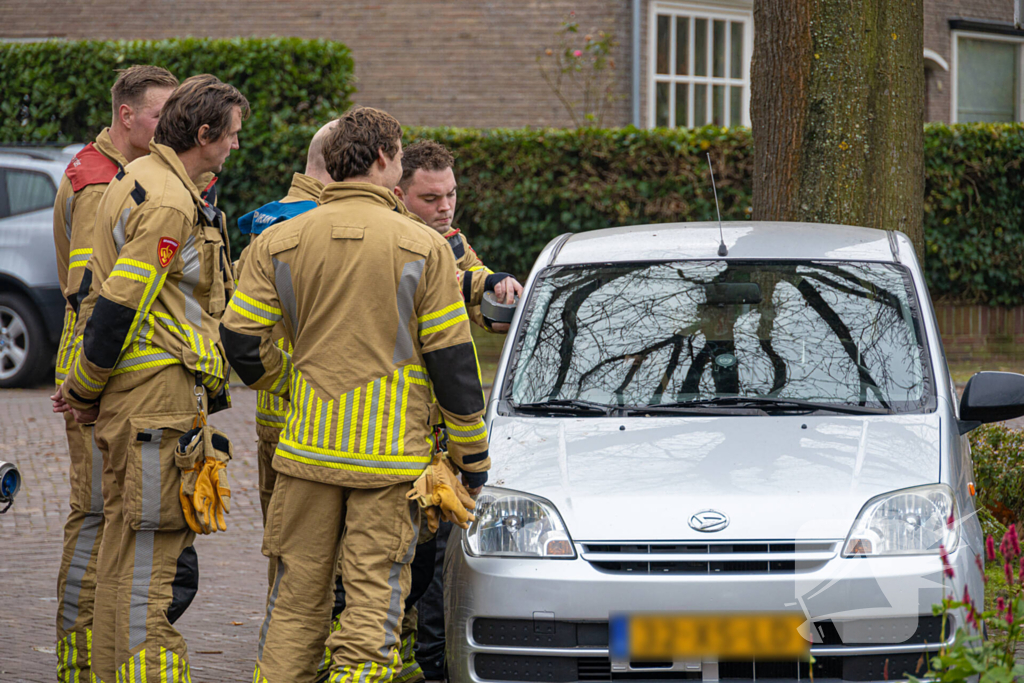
<point x="514" y="524"/>
<point x="906" y="522"/>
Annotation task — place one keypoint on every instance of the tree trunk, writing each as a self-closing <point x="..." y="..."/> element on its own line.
<point x="837" y="105"/>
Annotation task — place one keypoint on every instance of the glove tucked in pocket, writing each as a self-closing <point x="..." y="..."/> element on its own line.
<point x="441" y="494"/>
<point x="202" y="455"/>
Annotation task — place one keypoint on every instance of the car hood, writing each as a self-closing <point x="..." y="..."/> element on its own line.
<point x="777" y="477"/>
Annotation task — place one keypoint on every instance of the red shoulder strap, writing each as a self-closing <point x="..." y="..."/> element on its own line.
<point x="90" y="167"/>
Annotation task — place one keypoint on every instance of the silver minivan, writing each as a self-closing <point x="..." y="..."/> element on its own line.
<point x="714" y="466"/>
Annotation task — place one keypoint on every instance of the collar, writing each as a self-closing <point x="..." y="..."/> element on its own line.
<point x="106" y="147"/>
<point x="451" y="233"/>
<point x="375" y="193"/>
<point x="305" y="188"/>
<point x="171" y="160"/>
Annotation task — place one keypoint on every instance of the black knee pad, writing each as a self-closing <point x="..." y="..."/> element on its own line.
<point x="185" y="585"/>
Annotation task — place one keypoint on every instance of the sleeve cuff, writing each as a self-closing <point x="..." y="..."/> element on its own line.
<point x="493" y="279"/>
<point x="473" y="480"/>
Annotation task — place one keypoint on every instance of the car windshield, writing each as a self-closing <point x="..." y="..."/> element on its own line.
<point x="712" y="332"/>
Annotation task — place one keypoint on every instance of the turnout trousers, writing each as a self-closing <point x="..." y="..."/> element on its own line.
<point x="83" y="533"/>
<point x="148" y="570"/>
<point x="265" y="447"/>
<point x="309" y="526"/>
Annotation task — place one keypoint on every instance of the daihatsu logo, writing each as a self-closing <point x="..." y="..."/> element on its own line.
<point x="709" y="520"/>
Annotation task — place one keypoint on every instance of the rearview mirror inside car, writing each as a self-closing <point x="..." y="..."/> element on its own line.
<point x="991" y="397"/>
<point x="724" y="293"/>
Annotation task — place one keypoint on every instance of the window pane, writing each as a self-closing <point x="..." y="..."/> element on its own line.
<point x="735" y="106"/>
<point x="736" y="58"/>
<point x="682" y="103"/>
<point x="27" y="191"/>
<point x="683" y="46"/>
<point x="700" y="47"/>
<point x="719" y="51"/>
<point x="718" y="110"/>
<point x="700" y="105"/>
<point x="987" y="80"/>
<point x="664" y="43"/>
<point x="661" y="105"/>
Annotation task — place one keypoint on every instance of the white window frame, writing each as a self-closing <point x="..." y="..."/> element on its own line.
<point x="954" y="94"/>
<point x="726" y="11"/>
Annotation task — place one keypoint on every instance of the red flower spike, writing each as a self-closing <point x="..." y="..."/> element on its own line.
<point x="967" y="596"/>
<point x="1008" y="570"/>
<point x="990" y="549"/>
<point x="949" y="521"/>
<point x="1000" y="605"/>
<point x="944" y="556"/>
<point x="1009" y="617"/>
<point x="1020" y="575"/>
<point x="1014" y="539"/>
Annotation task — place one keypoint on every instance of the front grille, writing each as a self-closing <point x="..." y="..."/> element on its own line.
<point x="518" y="668"/>
<point x="771" y="557"/>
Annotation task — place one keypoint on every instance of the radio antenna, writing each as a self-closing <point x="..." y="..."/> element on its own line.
<point x="722" y="249"/>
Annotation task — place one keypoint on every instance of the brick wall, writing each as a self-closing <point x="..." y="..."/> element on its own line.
<point x="428" y="62"/>
<point x="937" y="37"/>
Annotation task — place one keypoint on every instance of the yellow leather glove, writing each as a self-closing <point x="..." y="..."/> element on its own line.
<point x="185" y="493"/>
<point x="207" y="500"/>
<point x="205" y="494"/>
<point x="442" y="495"/>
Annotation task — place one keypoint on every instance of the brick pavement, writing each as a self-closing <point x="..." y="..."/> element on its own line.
<point x="222" y="624"/>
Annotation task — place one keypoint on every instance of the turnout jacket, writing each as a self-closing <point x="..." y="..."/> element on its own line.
<point x="303" y="195"/>
<point x="474" y="277"/>
<point x="158" y="282"/>
<point x="376" y="320"/>
<point x="74" y="213"/>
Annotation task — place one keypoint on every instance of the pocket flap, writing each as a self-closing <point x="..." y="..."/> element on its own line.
<point x="347" y="232"/>
<point x="283" y="242"/>
<point x="415" y="247"/>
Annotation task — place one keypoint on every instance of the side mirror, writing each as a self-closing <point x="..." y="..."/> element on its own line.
<point x="991" y="397"/>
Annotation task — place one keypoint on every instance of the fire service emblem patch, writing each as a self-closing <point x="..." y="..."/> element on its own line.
<point x="166" y="250"/>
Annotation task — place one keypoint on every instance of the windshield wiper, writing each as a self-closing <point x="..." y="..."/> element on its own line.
<point x="767" y="403"/>
<point x="684" y="409"/>
<point x="572" y="406"/>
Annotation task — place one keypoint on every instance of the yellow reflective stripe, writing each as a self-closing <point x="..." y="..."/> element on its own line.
<point x="83" y="377"/>
<point x="258" y="304"/>
<point x="254" y="310"/>
<point x="347" y="460"/>
<point x="438" y="314"/>
<point x="327" y="424"/>
<point x="341" y="422"/>
<point x="379" y="426"/>
<point x="460" y="434"/>
<point x="443" y="324"/>
<point x="368" y="406"/>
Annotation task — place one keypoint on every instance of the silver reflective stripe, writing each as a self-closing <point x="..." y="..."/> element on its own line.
<point x="373" y="400"/>
<point x="122" y="267"/>
<point x="396" y="419"/>
<point x="322" y="440"/>
<point x="139" y="598"/>
<point x="350" y="408"/>
<point x="189" y="279"/>
<point x="127" y="363"/>
<point x="413" y="465"/>
<point x="96" y="493"/>
<point x="285" y="292"/>
<point x="271" y="601"/>
<point x="407" y="284"/>
<point x="394" y="606"/>
<point x="67" y="216"/>
<point x="137" y="662"/>
<point x="119" y="229"/>
<point x="150" y="452"/>
<point x="87" y="533"/>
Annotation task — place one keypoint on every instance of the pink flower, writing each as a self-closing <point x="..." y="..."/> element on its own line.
<point x="981" y="567"/>
<point x="1004" y="546"/>
<point x="971" y="620"/>
<point x="1009" y="617"/>
<point x="1000" y="605"/>
<point x="1008" y="570"/>
<point x="946" y="568"/>
<point x="967" y="596"/>
<point x="990" y="549"/>
<point x="1014" y="539"/>
<point x="577" y="53"/>
<point x="949" y="521"/>
<point x="1021" y="574"/>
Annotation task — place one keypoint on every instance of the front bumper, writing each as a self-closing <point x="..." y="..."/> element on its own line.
<point x="513" y="620"/>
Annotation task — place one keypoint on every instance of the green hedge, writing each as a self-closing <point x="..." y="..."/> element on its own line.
<point x="59" y="92"/>
<point x="998" y="455"/>
<point x="520" y="188"/>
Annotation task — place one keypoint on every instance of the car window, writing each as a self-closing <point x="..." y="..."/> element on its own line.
<point x="657" y="333"/>
<point x="28" y="191"/>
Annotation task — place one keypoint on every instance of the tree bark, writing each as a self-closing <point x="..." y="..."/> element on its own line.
<point x="837" y="107"/>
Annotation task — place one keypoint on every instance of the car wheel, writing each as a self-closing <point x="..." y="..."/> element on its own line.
<point x="24" y="348"/>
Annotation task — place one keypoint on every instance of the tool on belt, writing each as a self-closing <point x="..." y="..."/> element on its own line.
<point x="202" y="455"/>
<point x="441" y="494"/>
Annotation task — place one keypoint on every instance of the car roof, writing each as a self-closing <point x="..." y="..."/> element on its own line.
<point x="61" y="154"/>
<point x="746" y="240"/>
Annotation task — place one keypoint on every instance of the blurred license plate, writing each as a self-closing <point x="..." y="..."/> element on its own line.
<point x="667" y="637"/>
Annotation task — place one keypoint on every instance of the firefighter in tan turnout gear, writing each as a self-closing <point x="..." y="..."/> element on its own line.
<point x="137" y="96"/>
<point x="160" y="280"/>
<point x="377" y="322"/>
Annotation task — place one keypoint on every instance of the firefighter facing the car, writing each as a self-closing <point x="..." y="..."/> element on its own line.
<point x="375" y="317"/>
<point x="271" y="410"/>
<point x="160" y="280"/>
<point x="137" y="96"/>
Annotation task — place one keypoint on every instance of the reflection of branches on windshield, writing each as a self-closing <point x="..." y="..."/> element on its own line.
<point x="638" y="358"/>
<point x="842" y="333"/>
